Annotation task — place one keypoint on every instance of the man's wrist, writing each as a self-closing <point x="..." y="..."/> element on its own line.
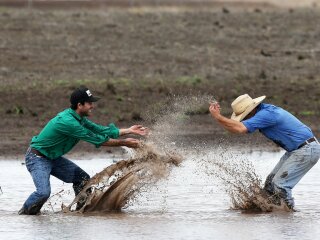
<point x="128" y="131"/>
<point x="125" y="131"/>
<point x="217" y="116"/>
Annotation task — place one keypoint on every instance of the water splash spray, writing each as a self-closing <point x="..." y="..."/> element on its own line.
<point x="113" y="188"/>
<point x="238" y="178"/>
<point x="116" y="185"/>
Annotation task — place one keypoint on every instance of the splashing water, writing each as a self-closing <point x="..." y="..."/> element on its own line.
<point x="170" y="118"/>
<point x="116" y="185"/>
<point x="239" y="179"/>
<point x="237" y="175"/>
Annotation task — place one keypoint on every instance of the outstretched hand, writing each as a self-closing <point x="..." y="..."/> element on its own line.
<point x="132" y="142"/>
<point x="214" y="109"/>
<point x="139" y="130"/>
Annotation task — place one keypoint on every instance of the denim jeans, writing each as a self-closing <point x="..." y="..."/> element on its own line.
<point x="290" y="169"/>
<point x="41" y="168"/>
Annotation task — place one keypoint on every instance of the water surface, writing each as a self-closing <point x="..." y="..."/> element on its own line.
<point x="188" y="205"/>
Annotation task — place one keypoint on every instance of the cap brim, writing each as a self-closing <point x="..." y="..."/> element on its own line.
<point x="93" y="99"/>
<point x="241" y="116"/>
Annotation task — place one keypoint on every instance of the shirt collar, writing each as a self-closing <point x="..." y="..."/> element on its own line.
<point x="75" y="114"/>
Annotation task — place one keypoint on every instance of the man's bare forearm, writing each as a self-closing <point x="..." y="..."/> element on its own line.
<point x="128" y="142"/>
<point x="115" y="143"/>
<point x="231" y="125"/>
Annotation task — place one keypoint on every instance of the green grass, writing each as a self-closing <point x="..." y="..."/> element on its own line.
<point x="187" y="80"/>
<point x="307" y="113"/>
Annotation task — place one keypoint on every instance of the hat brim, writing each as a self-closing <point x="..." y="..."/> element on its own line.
<point x="93" y="99"/>
<point x="241" y="116"/>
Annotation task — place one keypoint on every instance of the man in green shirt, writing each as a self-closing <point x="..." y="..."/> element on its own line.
<point x="45" y="154"/>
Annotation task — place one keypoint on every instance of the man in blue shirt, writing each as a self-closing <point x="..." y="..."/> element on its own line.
<point x="302" y="148"/>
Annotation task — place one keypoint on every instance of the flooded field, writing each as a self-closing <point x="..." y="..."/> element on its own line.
<point x="135" y="59"/>
<point x="189" y="204"/>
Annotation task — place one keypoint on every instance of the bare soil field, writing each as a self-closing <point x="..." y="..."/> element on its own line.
<point x="137" y="58"/>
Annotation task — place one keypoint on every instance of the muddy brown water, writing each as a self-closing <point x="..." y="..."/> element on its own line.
<point x="171" y="190"/>
<point x="115" y="186"/>
<point x="190" y="203"/>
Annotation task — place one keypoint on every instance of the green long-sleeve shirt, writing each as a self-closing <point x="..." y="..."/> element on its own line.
<point x="66" y="129"/>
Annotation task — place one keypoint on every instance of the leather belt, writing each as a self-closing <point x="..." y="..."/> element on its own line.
<point x="36" y="152"/>
<point x="310" y="140"/>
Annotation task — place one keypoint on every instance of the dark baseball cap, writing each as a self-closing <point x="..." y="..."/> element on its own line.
<point x="82" y="94"/>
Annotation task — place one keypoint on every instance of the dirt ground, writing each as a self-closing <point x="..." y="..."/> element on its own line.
<point x="138" y="58"/>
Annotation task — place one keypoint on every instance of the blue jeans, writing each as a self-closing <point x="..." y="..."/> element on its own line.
<point x="40" y="169"/>
<point x="290" y="169"/>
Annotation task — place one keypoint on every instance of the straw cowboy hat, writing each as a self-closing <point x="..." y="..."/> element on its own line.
<point x="243" y="105"/>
